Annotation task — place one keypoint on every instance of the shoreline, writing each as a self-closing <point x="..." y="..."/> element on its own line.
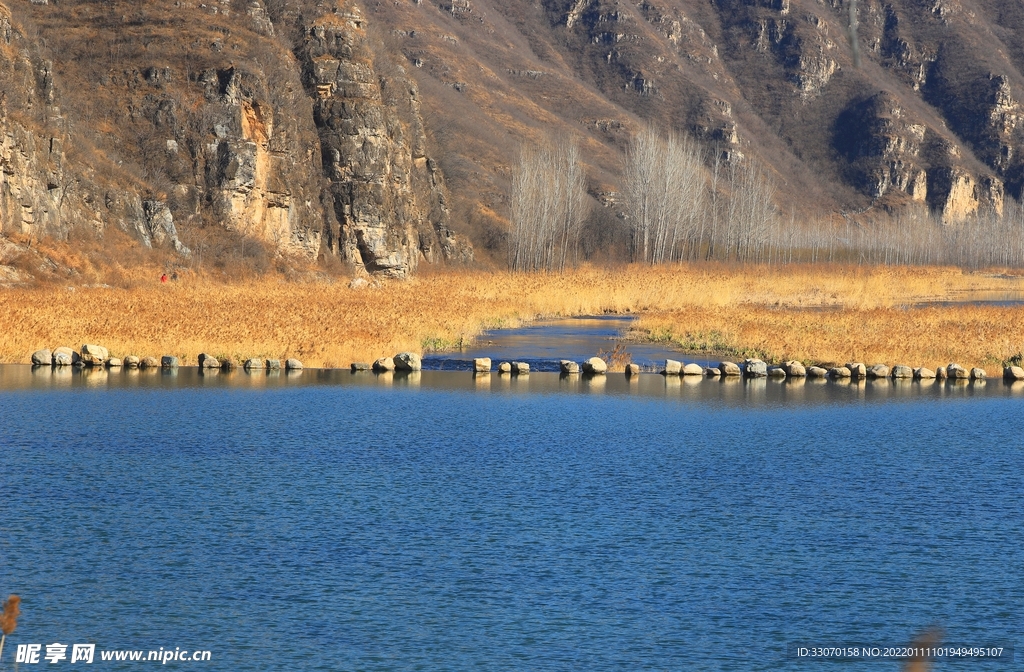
<point x="704" y="310"/>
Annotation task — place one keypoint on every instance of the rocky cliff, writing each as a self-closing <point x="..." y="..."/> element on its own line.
<point x="169" y="118"/>
<point x="930" y="115"/>
<point x="371" y="130"/>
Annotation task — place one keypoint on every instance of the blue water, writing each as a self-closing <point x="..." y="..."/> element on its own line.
<point x="545" y="343"/>
<point x="330" y="521"/>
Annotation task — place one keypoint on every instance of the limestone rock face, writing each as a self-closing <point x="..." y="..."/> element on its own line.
<point x="387" y="197"/>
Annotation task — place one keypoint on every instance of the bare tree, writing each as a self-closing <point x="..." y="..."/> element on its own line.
<point x="666" y="187"/>
<point x="547" y="207"/>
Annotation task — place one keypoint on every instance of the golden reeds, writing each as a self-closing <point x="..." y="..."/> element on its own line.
<point x="8" y="619"/>
<point x="756" y="308"/>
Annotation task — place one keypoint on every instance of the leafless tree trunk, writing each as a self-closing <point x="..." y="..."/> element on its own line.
<point x="547" y="208"/>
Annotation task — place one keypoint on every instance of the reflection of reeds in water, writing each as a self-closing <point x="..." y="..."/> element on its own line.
<point x="9" y="619"/>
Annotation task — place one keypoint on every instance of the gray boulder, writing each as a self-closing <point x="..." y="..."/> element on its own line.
<point x="957" y="372"/>
<point x="292" y="364"/>
<point x="729" y="368"/>
<point x="923" y="373"/>
<point x="149" y="363"/>
<point x="42" y="358"/>
<point x="755" y="368"/>
<point x="712" y="372"/>
<point x="227" y="363"/>
<point x="169" y="362"/>
<point x="978" y="374"/>
<point x="692" y="369"/>
<point x="253" y="364"/>
<point x="504" y="367"/>
<point x="94" y="355"/>
<point x="816" y="372"/>
<point x="857" y="369"/>
<point x="595" y="366"/>
<point x="941" y="373"/>
<point x="568" y="366"/>
<point x="839" y="372"/>
<point x="521" y="368"/>
<point x="132" y="362"/>
<point x="67" y="354"/>
<point x="1013" y="373"/>
<point x="114" y="363"/>
<point x="384" y="364"/>
<point x="776" y="372"/>
<point x="482" y="365"/>
<point x="900" y="372"/>
<point x="62" y="359"/>
<point x="361" y="366"/>
<point x="632" y="370"/>
<point x="274" y="364"/>
<point x="408" y="361"/>
<point x="208" y="361"/>
<point x="794" y="369"/>
<point x="672" y="367"/>
<point x="878" y="371"/>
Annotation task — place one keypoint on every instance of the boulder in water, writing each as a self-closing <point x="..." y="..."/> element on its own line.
<point x="595" y="366"/>
<point x="408" y="361"/>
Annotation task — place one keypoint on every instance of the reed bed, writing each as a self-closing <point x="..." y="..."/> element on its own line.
<point x="326" y="323"/>
<point x="983" y="336"/>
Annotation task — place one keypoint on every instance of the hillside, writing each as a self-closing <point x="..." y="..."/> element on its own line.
<point x="376" y="132"/>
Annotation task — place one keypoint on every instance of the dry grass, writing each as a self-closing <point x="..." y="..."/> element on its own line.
<point x="751" y="308"/>
<point x="983" y="336"/>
